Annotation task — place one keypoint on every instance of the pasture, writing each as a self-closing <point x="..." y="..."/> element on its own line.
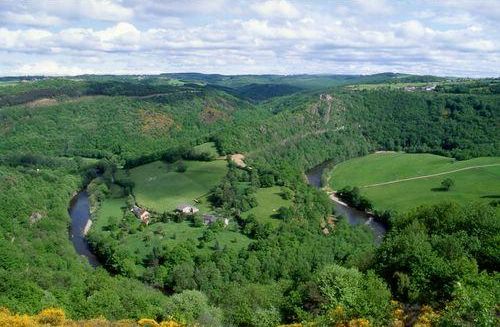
<point x="269" y="200"/>
<point x="386" y="179"/>
<point x="208" y="147"/>
<point x="137" y="245"/>
<point x="160" y="188"/>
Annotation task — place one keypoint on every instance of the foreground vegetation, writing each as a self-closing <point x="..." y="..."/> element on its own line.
<point x="282" y="258"/>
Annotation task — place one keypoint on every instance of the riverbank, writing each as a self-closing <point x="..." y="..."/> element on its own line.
<point x="353" y="215"/>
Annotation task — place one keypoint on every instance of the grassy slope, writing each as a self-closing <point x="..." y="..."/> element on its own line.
<point x="481" y="184"/>
<point x="208" y="147"/>
<point x="159" y="187"/>
<point x="138" y="245"/>
<point x="269" y="200"/>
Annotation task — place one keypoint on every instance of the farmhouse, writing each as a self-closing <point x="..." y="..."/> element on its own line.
<point x="142" y="214"/>
<point x="187" y="209"/>
<point x="210" y="219"/>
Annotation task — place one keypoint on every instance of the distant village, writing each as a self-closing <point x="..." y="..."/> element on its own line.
<point x="426" y="88"/>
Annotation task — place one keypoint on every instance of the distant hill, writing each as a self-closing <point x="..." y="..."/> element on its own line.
<point x="304" y="81"/>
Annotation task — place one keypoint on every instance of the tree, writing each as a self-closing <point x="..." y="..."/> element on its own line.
<point x="181" y="167"/>
<point x="193" y="307"/>
<point x="354" y="294"/>
<point x="447" y="183"/>
<point x="286" y="193"/>
<point x="285" y="213"/>
<point x="474" y="302"/>
<point x="197" y="220"/>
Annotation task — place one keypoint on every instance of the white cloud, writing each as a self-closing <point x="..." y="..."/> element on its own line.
<point x="24" y="40"/>
<point x="49" y="67"/>
<point x="246" y="37"/>
<point x="411" y="30"/>
<point x="179" y="7"/>
<point x="373" y="7"/>
<point x="29" y="19"/>
<point x="276" y="8"/>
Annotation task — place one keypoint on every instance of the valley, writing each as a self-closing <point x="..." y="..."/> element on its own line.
<point x="196" y="192"/>
<point x="249" y="163"/>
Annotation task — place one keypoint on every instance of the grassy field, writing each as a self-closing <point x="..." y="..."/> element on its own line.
<point x="476" y="184"/>
<point x="109" y="208"/>
<point x="208" y="147"/>
<point x="159" y="187"/>
<point x="269" y="200"/>
<point x="138" y="244"/>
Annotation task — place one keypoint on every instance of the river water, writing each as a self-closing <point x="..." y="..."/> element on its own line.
<point x="353" y="216"/>
<point x="79" y="211"/>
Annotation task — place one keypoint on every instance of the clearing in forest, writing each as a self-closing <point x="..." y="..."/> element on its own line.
<point x="401" y="181"/>
<point x="269" y="200"/>
<point x="161" y="188"/>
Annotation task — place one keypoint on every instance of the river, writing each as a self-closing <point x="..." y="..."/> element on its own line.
<point x="353" y="216"/>
<point x="79" y="211"/>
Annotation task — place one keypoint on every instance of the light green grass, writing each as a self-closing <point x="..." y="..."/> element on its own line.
<point x="478" y="184"/>
<point x="109" y="208"/>
<point x="160" y="188"/>
<point x="208" y="147"/>
<point x="269" y="201"/>
<point x="138" y="244"/>
<point x="173" y="233"/>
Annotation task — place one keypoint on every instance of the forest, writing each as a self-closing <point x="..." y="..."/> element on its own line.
<point x="437" y="265"/>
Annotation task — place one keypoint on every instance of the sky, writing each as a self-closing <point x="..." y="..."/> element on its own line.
<point x="72" y="37"/>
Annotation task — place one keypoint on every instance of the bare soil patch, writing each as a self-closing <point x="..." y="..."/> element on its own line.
<point x="238" y="158"/>
<point x="42" y="102"/>
<point x="210" y="115"/>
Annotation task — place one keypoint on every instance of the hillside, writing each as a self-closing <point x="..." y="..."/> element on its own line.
<point x="275" y="251"/>
<point x="398" y="181"/>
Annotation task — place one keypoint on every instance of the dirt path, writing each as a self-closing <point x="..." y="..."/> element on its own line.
<point x="432" y="175"/>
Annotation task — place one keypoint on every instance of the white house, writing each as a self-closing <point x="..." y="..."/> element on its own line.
<point x="187" y="209"/>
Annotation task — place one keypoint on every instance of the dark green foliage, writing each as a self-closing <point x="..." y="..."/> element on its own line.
<point x="180" y="166"/>
<point x="291" y="271"/>
<point x="447" y="183"/>
<point x="353" y="197"/>
<point x="39" y="267"/>
<point x="260" y="92"/>
<point x="432" y="248"/>
<point x="357" y="294"/>
<point x="474" y="302"/>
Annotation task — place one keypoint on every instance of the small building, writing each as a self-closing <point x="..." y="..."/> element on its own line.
<point x="142" y="214"/>
<point x="210" y="219"/>
<point x="187" y="209"/>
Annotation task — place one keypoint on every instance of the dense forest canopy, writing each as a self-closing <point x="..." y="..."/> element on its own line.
<point x="301" y="264"/>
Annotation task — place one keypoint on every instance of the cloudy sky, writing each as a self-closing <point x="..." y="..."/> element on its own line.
<point x="70" y="37"/>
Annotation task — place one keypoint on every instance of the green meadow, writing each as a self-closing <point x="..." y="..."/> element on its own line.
<point x="474" y="184"/>
<point x="159" y="187"/>
<point x="208" y="147"/>
<point x="137" y="245"/>
<point x="269" y="200"/>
